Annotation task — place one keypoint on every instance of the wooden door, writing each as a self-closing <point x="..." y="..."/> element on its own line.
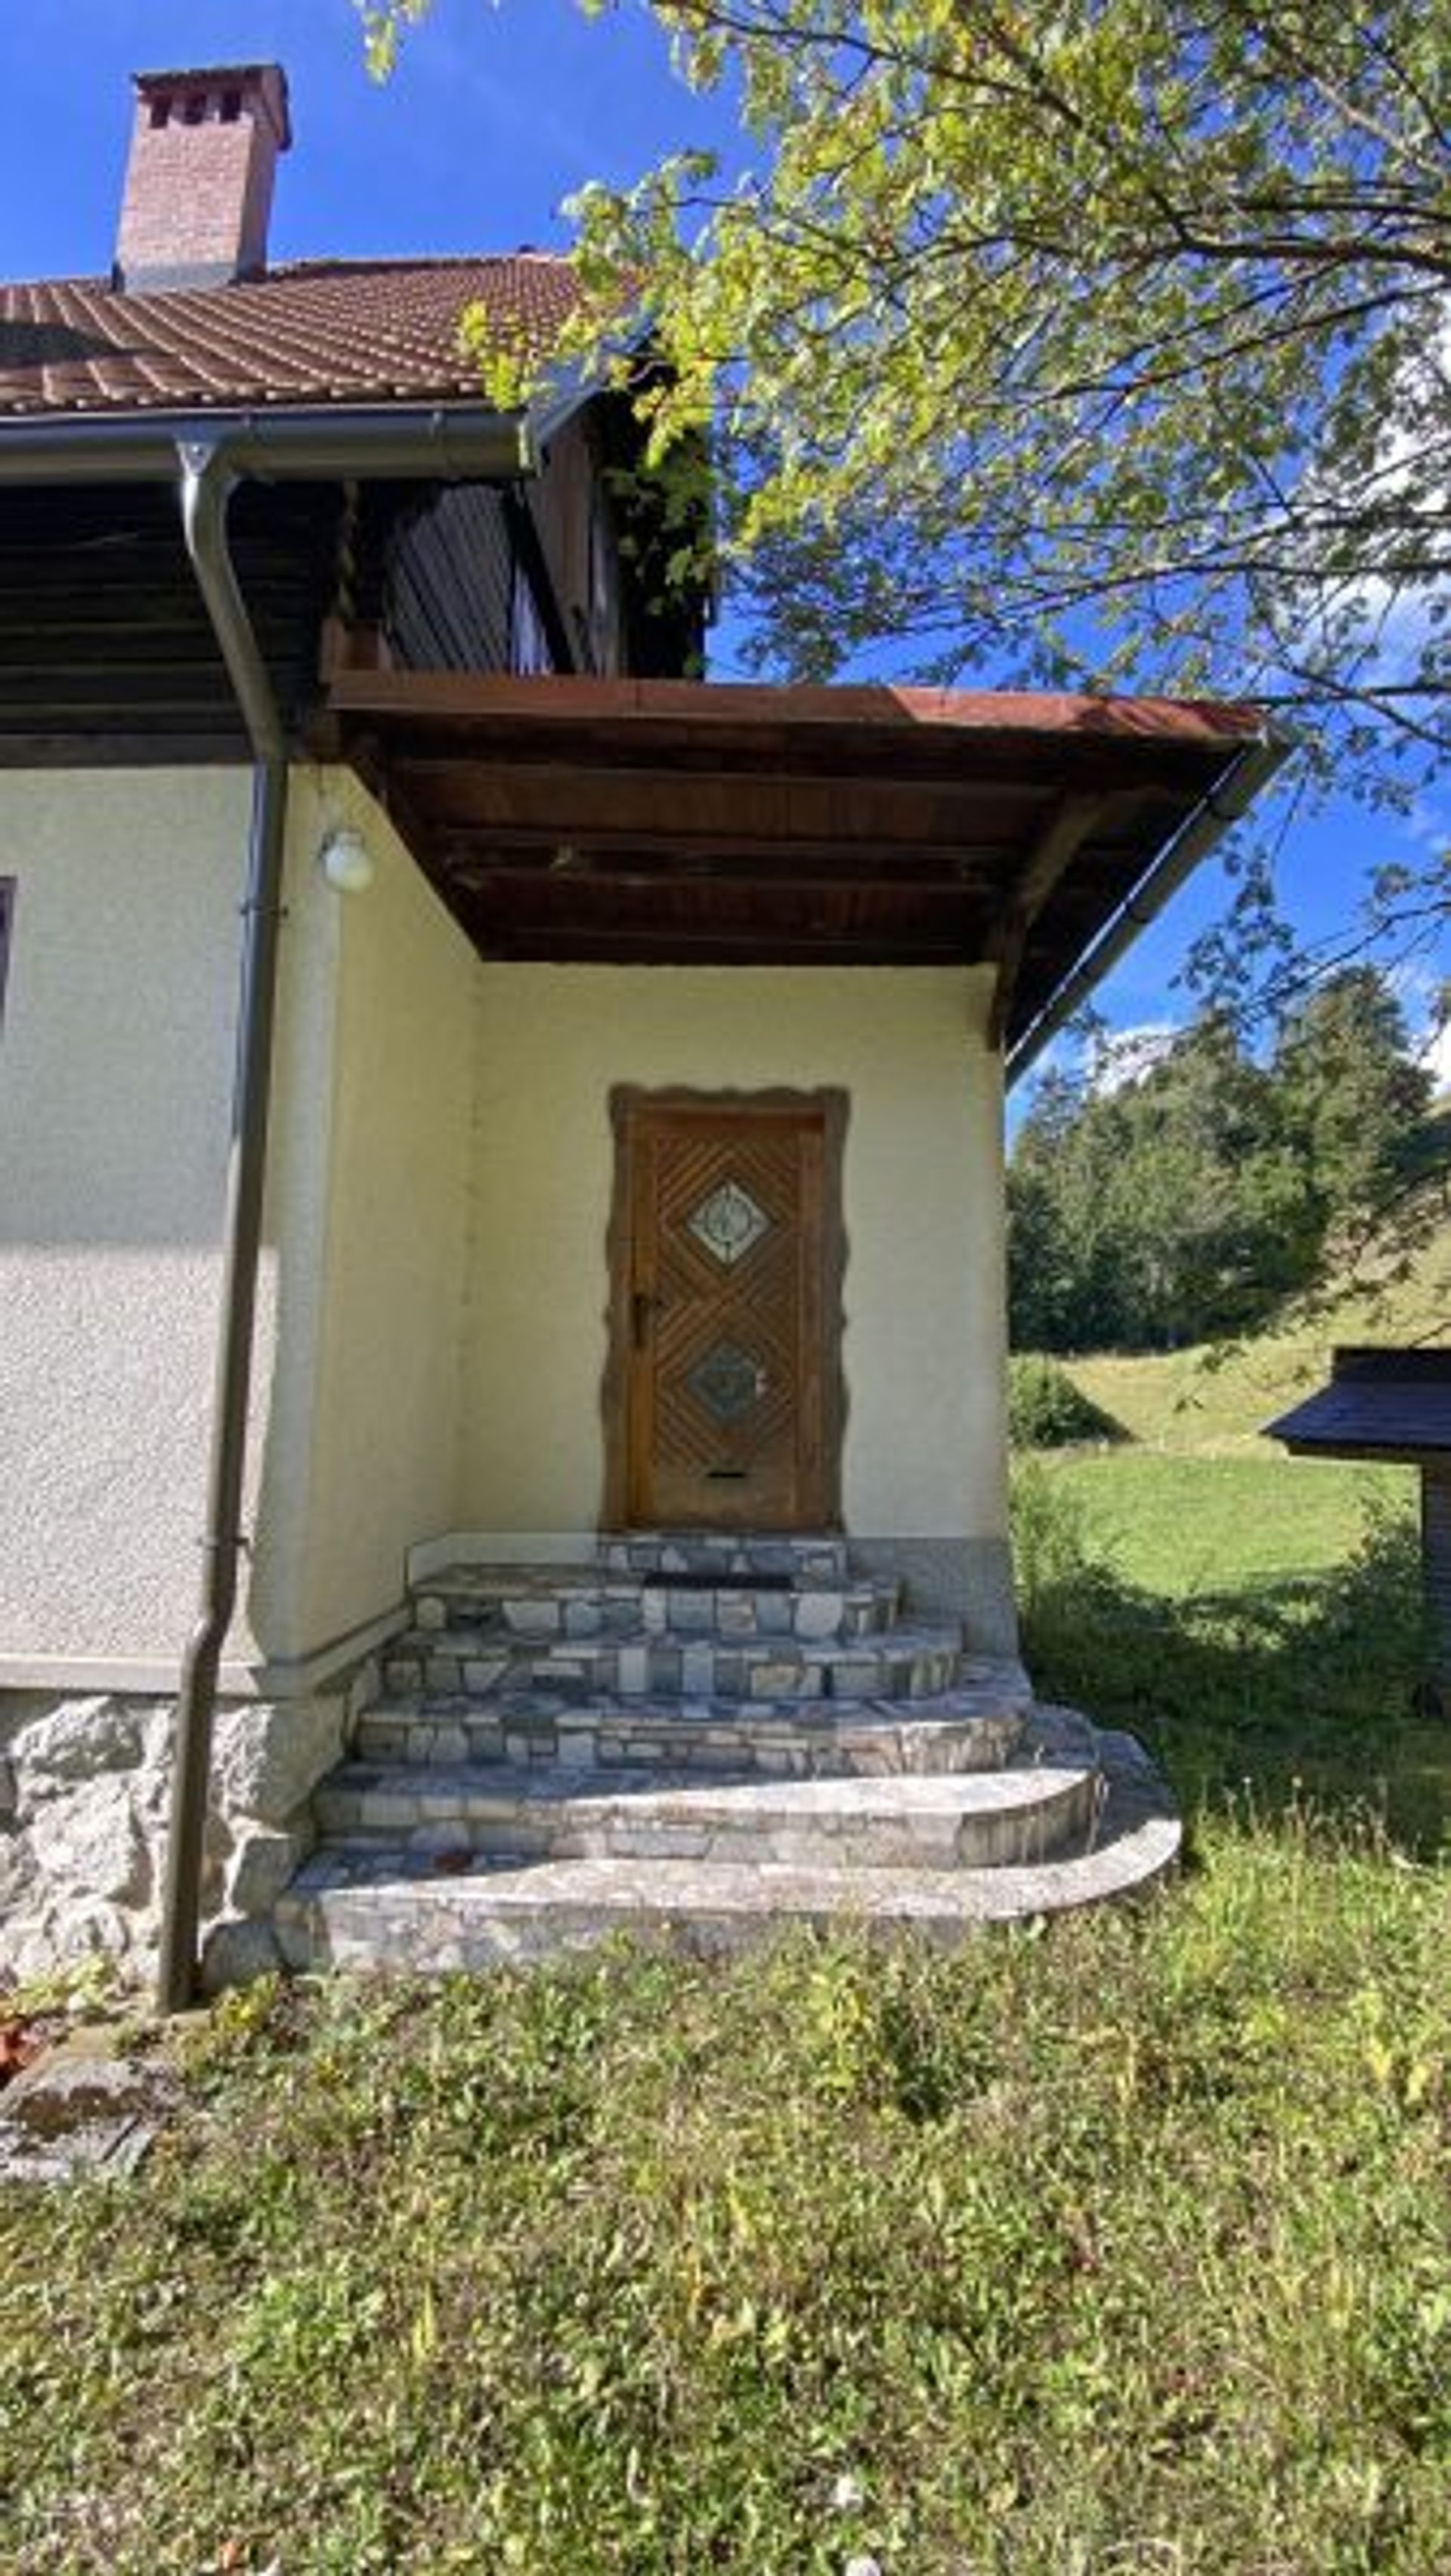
<point x="724" y="1406"/>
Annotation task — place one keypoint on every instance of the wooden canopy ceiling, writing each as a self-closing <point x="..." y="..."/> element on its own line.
<point x="677" y="822"/>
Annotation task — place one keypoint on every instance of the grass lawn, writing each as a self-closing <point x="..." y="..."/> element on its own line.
<point x="1179" y="1525"/>
<point x="1116" y="2249"/>
<point x="1119" y="2248"/>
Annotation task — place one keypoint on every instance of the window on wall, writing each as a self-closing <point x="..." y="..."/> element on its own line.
<point x="7" y="906"/>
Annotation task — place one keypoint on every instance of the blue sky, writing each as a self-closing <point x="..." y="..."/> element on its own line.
<point x="494" y="115"/>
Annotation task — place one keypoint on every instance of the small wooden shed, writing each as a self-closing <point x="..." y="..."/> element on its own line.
<point x="1390" y="1404"/>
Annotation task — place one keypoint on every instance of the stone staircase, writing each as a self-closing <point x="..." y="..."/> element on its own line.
<point x="699" y="1736"/>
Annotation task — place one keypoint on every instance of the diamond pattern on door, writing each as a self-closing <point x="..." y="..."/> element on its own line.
<point x="727" y="1381"/>
<point x="728" y="1223"/>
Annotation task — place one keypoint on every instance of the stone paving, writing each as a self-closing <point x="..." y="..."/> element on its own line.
<point x="936" y="1819"/>
<point x="973" y="1727"/>
<point x="696" y="1737"/>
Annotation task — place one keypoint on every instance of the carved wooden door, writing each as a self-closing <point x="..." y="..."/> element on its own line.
<point x="727" y="1263"/>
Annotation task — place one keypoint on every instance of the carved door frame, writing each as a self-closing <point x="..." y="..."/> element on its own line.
<point x="824" y="1110"/>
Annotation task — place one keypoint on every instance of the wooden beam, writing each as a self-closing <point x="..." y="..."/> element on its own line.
<point x="1062" y="836"/>
<point x="879" y="707"/>
<point x="641" y="946"/>
<point x="774" y="867"/>
<point x="486" y="783"/>
<point x="93" y="748"/>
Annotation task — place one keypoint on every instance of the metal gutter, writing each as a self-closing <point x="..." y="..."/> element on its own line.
<point x="456" y="443"/>
<point x="1212" y="817"/>
<point x="206" y="456"/>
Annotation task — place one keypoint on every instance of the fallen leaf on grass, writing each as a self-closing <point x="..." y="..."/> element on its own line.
<point x="20" y="2041"/>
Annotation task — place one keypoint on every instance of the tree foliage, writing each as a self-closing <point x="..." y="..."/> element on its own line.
<point x="1101" y="343"/>
<point x="1047" y="1411"/>
<point x="1189" y="1202"/>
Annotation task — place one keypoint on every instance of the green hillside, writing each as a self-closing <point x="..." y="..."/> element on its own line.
<point x="1214" y="1402"/>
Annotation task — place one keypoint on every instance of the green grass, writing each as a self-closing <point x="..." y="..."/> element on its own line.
<point x="1180" y="1525"/>
<point x="1113" y="2249"/>
<point x="1257" y="1618"/>
<point x="1265" y="1686"/>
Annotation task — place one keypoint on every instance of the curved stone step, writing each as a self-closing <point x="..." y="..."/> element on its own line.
<point x="904" y="1662"/>
<point x="573" y="1601"/>
<point x="941" y="1820"/>
<point x="975" y="1727"/>
<point x="385" y="1909"/>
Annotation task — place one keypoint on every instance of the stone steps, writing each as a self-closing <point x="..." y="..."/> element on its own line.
<point x="543" y="1601"/>
<point x="812" y="1558"/>
<point x="975" y="1727"/>
<point x="936" y="1820"/>
<point x="916" y="1662"/>
<point x="698" y="1736"/>
<point x="351" y="1907"/>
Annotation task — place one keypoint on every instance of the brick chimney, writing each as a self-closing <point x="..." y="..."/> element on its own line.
<point x="199" y="185"/>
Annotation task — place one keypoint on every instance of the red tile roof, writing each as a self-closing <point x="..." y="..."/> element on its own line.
<point x="315" y="331"/>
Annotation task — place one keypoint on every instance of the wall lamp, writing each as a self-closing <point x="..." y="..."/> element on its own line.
<point x="346" y="861"/>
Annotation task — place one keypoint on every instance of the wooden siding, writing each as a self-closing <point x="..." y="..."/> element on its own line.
<point x="444" y="577"/>
<point x="106" y="651"/>
<point x="564" y="502"/>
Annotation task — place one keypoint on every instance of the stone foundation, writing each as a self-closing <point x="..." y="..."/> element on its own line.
<point x="970" y="1579"/>
<point x="84" y="1801"/>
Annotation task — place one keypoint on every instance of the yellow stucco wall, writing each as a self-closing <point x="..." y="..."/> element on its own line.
<point x="373" y="1202"/>
<point x="924" y="1334"/>
<point x="432" y="1324"/>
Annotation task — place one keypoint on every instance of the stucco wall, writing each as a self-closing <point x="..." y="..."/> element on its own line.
<point x="371" y="1201"/>
<point x="924" y="1337"/>
<point x="115" y="1062"/>
<point x="432" y="1322"/>
<point x="115" y="1092"/>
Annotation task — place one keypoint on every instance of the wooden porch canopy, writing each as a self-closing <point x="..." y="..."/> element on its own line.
<point x="684" y="823"/>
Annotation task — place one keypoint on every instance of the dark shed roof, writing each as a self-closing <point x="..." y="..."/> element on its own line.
<point x="1379" y="1404"/>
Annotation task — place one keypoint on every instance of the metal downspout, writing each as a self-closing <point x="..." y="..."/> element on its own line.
<point x="207" y="483"/>
<point x="1207" y="824"/>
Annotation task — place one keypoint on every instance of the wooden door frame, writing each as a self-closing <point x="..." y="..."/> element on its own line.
<point x="829" y="1106"/>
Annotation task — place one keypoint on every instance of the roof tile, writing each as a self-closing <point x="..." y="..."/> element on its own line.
<point x="317" y="331"/>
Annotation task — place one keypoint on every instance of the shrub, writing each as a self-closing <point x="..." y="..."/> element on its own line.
<point x="1047" y="1411"/>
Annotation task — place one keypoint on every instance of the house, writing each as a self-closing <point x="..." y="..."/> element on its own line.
<point x="601" y="1169"/>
